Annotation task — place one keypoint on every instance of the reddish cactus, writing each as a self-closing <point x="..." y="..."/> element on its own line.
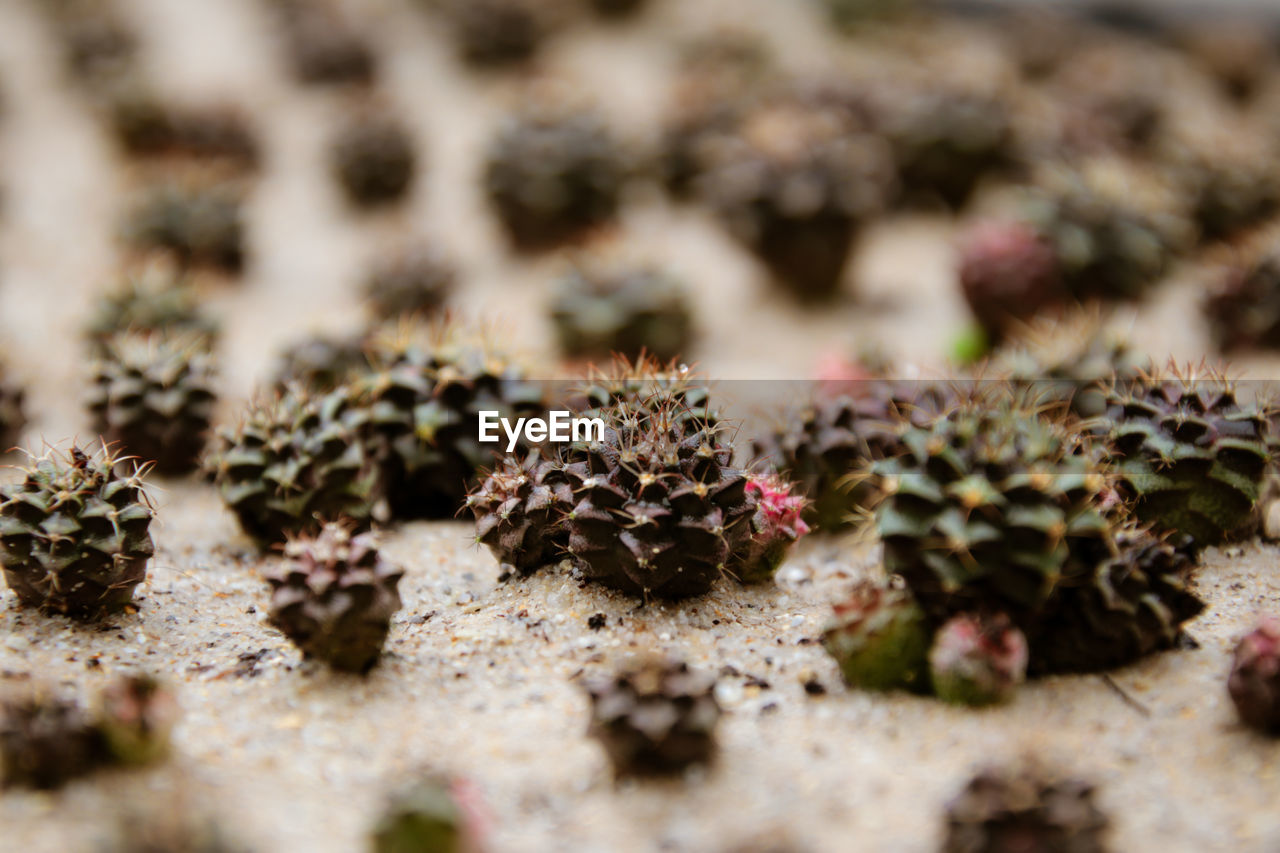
<point x="1254" y="683"/>
<point x="774" y="527"/>
<point x="1009" y="272"/>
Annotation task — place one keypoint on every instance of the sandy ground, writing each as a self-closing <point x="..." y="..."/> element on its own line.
<point x="479" y="678"/>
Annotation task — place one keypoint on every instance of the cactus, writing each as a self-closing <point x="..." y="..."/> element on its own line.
<point x="1024" y="809"/>
<point x="520" y="509"/>
<point x="74" y="533"/>
<point x="135" y="716"/>
<point x="373" y="159"/>
<point x="1254" y="683"/>
<point x="977" y="660"/>
<point x="775" y="527"/>
<point x="45" y="741"/>
<point x="879" y="637"/>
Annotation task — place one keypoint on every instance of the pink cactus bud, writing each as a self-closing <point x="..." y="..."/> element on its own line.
<point x="774" y="527"/>
<point x="977" y="660"/>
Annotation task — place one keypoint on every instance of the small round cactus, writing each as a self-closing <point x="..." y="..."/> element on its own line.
<point x="154" y="398"/>
<point x="495" y="33"/>
<point x="334" y="596"/>
<point x="75" y="533"/>
<point x="373" y="160"/>
<point x="659" y="507"/>
<point x="655" y="718"/>
<point x="601" y="308"/>
<point x="977" y="660"/>
<point x="200" y="225"/>
<point x="147" y="126"/>
<point x="879" y="637"/>
<point x="320" y="362"/>
<point x="323" y="45"/>
<point x="520" y="510"/>
<point x="1022" y="810"/>
<point x="794" y="182"/>
<point x="292" y="462"/>
<point x="1254" y="683"/>
<point x="553" y="173"/>
<point x="416" y="281"/>
<point x="1009" y="272"/>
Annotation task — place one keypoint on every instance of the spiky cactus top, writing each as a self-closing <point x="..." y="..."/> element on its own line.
<point x="292" y="462"/>
<point x="520" y="509"/>
<point x="151" y="302"/>
<point x="1067" y="362"/>
<point x="794" y="182"/>
<point x="601" y="308"/>
<point x="154" y="397"/>
<point x="982" y="507"/>
<point x="1191" y="455"/>
<point x="552" y="173"/>
<point x="660" y="510"/>
<point x="75" y="533"/>
<point x="420" y="413"/>
<point x="335" y="596"/>
<point x="775" y="526"/>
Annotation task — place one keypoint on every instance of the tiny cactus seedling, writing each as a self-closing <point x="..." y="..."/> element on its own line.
<point x="552" y="174"/>
<point x="1254" y="683"/>
<point x="292" y="461"/>
<point x="1191" y="455"/>
<point x="135" y="716"/>
<point x="654" y="719"/>
<point x="74" y="533"/>
<point x="45" y="741"/>
<point x="373" y="159"/>
<point x="977" y="660"/>
<point x="945" y="140"/>
<point x="154" y="398"/>
<point x="430" y="817"/>
<point x="775" y="527"/>
<point x="334" y="596"/>
<point x="1002" y="811"/>
<point x="880" y="638"/>
<point x="320" y="362"/>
